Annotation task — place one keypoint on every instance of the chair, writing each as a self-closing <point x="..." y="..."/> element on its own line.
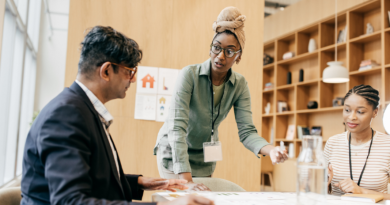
<point x="267" y="169"/>
<point x="218" y="185"/>
<point x="10" y="196"/>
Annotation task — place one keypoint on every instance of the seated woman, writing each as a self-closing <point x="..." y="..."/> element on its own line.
<point x="359" y="158"/>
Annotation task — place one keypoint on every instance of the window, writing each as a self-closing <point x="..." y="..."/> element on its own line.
<point x="17" y="82"/>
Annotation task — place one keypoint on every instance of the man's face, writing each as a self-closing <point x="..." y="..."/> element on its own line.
<point x="120" y="83"/>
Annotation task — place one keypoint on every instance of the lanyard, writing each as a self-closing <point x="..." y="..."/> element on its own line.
<point x="350" y="163"/>
<point x="212" y="110"/>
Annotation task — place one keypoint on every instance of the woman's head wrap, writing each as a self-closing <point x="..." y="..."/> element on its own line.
<point x="231" y="19"/>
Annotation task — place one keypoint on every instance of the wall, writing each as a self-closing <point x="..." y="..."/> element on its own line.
<point x="301" y="14"/>
<point x="51" y="61"/>
<point x="172" y="34"/>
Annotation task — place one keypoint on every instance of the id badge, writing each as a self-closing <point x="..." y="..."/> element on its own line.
<point x="212" y="151"/>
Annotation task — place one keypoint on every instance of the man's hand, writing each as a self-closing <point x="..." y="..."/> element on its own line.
<point x="189" y="200"/>
<point x="148" y="183"/>
<point x="349" y="186"/>
<point x="278" y="156"/>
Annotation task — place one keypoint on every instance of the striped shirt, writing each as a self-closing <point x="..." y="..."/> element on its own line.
<point x="376" y="174"/>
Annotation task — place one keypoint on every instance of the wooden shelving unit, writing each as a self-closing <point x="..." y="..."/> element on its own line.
<point x="356" y="48"/>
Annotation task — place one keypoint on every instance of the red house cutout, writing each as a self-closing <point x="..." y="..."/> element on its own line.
<point x="148" y="79"/>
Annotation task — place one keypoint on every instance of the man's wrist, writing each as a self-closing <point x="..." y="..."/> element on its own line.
<point x="140" y="180"/>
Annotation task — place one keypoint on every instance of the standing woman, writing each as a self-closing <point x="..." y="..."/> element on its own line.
<point x="359" y="158"/>
<point x="204" y="95"/>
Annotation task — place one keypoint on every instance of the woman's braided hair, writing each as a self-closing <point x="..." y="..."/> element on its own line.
<point x="367" y="92"/>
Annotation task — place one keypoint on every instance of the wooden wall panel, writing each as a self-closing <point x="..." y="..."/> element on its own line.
<point x="172" y="34"/>
<point x="301" y="14"/>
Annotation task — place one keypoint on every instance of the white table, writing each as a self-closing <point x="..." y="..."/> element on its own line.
<point x="252" y="198"/>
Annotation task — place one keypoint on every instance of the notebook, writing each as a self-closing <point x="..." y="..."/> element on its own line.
<point x="362" y="197"/>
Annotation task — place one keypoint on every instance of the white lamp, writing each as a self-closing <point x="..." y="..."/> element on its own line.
<point x="335" y="72"/>
<point x="386" y="119"/>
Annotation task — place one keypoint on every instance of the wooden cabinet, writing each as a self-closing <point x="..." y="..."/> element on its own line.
<point x="357" y="46"/>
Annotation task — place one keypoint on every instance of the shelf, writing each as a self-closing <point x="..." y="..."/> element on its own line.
<point x="321" y="110"/>
<point x="284" y="140"/>
<point x="268" y="66"/>
<point x="285" y="113"/>
<point x="286" y="87"/>
<point x="268" y="115"/>
<point x="309" y="82"/>
<point x="269" y="90"/>
<point x="331" y="48"/>
<point x="299" y="58"/>
<point x="371" y="71"/>
<point x="367" y="37"/>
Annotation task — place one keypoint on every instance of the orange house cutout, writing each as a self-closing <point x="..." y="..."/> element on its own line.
<point x="148" y="79"/>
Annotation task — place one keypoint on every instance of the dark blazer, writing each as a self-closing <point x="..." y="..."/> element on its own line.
<point x="68" y="159"/>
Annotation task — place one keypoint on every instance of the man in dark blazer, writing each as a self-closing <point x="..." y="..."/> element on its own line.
<point x="69" y="156"/>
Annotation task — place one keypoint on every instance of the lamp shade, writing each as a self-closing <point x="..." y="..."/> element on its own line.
<point x="335" y="73"/>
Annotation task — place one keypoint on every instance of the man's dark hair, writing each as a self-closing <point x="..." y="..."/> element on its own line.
<point x="367" y="92"/>
<point x="104" y="44"/>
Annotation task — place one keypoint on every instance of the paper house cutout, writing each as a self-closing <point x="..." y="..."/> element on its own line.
<point x="162" y="100"/>
<point x="148" y="79"/>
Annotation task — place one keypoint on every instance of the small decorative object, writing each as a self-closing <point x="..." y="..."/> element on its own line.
<point x="338" y="101"/>
<point x="368" y="64"/>
<point x="267" y="108"/>
<point x="388" y="15"/>
<point x="288" y="55"/>
<point x="288" y="78"/>
<point x="312" y="105"/>
<point x="316" y="130"/>
<point x="282" y="106"/>
<point x="370" y="29"/>
<point x="302" y="131"/>
<point x="342" y="35"/>
<point x="267" y="59"/>
<point x="291" y="153"/>
<point x="301" y="75"/>
<point x="290" y="135"/>
<point x="312" y="45"/>
<point x="269" y="86"/>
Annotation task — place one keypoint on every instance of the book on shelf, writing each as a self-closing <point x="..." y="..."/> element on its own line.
<point x="282" y="106"/>
<point x="302" y="130"/>
<point x="374" y="198"/>
<point x="342" y="35"/>
<point x="368" y="64"/>
<point x="268" y="86"/>
<point x="316" y="130"/>
<point x="290" y="134"/>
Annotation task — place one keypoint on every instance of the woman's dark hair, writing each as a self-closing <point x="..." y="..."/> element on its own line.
<point x="367" y="92"/>
<point x="103" y="44"/>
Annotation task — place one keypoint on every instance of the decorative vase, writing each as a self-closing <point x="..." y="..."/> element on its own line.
<point x="312" y="45"/>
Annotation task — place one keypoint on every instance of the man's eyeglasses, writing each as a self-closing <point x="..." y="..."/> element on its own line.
<point x="227" y="51"/>
<point x="132" y="70"/>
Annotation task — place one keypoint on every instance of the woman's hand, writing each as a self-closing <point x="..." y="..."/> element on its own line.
<point x="349" y="186"/>
<point x="197" y="187"/>
<point x="278" y="156"/>
<point x="189" y="200"/>
<point x="330" y="173"/>
<point x="148" y="183"/>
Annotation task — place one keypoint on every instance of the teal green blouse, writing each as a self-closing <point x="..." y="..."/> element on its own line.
<point x="188" y="125"/>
